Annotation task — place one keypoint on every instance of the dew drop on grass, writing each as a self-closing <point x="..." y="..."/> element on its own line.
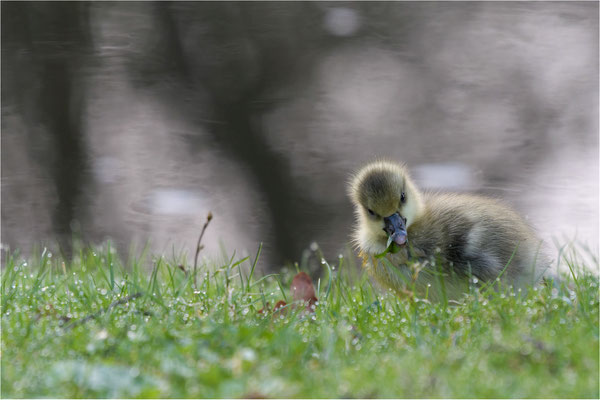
<point x="90" y="347"/>
<point x="573" y="295"/>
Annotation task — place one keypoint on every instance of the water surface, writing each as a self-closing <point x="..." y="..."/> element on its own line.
<point x="131" y="121"/>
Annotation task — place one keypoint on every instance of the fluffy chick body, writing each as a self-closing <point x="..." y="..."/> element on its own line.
<point x="457" y="236"/>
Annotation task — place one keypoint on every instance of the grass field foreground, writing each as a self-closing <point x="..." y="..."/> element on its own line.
<point x="95" y="327"/>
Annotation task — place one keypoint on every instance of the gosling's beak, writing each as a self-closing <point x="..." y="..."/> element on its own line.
<point x="395" y="227"/>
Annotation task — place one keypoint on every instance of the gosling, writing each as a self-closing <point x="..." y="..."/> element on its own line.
<point x="434" y="244"/>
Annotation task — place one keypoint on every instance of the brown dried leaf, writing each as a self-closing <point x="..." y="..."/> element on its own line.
<point x="303" y="290"/>
<point x="266" y="309"/>
<point x="279" y="307"/>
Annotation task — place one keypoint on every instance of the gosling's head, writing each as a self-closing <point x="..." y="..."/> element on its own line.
<point x="386" y="202"/>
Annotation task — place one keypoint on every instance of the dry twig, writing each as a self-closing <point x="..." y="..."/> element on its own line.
<point x="199" y="246"/>
<point x="97" y="314"/>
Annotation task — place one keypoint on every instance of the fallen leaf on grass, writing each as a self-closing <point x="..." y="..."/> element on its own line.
<point x="265" y="309"/>
<point x="279" y="307"/>
<point x="303" y="290"/>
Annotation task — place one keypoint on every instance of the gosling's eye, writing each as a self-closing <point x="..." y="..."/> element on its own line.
<point x="403" y="197"/>
<point x="371" y="212"/>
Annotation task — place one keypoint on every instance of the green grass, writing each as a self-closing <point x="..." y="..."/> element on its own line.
<point x="93" y="327"/>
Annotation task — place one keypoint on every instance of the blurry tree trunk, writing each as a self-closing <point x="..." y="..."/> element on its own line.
<point x="50" y="39"/>
<point x="237" y="84"/>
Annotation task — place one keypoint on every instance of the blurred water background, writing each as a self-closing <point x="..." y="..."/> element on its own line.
<point x="133" y="120"/>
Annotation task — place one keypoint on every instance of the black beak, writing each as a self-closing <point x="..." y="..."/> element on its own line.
<point x="395" y="227"/>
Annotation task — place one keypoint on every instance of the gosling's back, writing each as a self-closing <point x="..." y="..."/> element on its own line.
<point x="475" y="236"/>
